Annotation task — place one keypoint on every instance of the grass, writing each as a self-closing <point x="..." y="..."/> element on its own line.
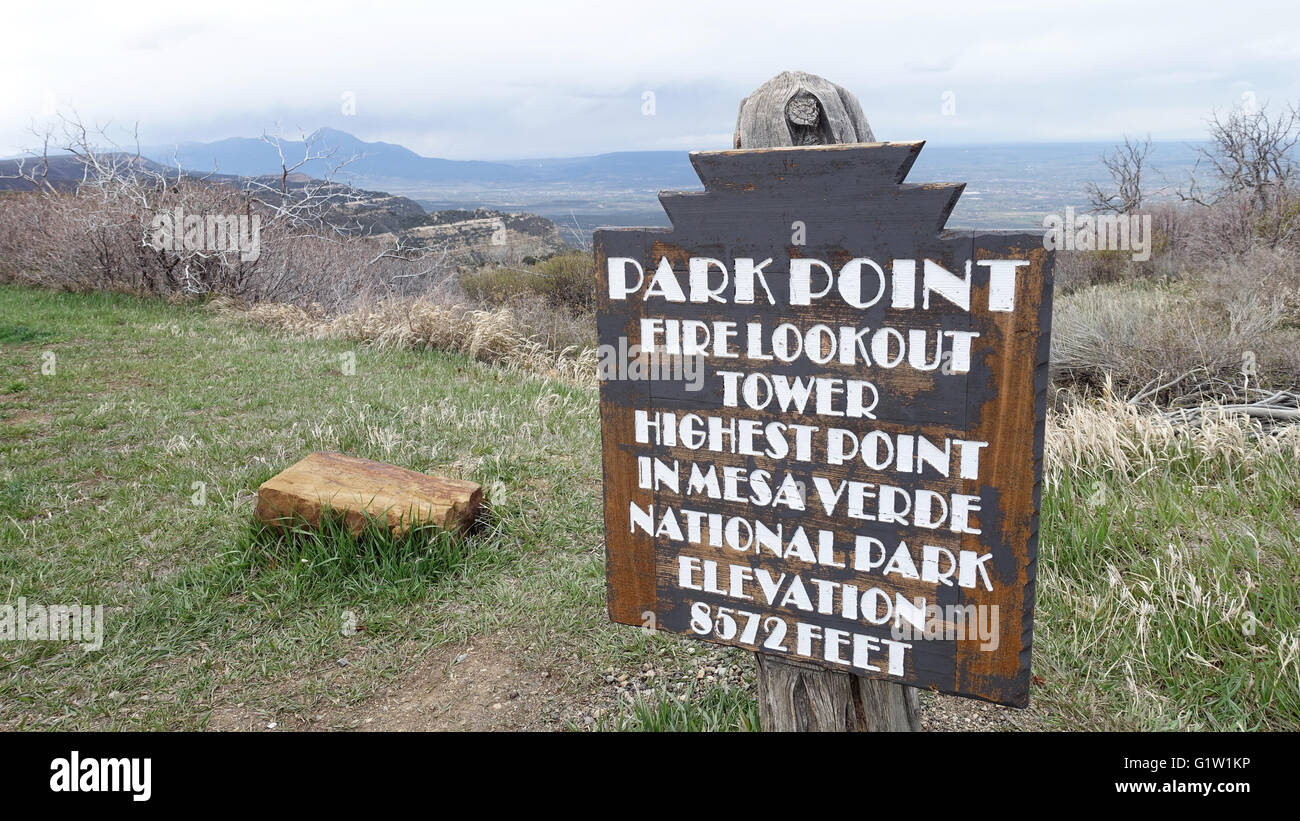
<point x="709" y="710"/>
<point x="18" y="334"/>
<point x="1168" y="586"/>
<point x="1169" y="578"/>
<point x="298" y="564"/>
<point x="151" y="406"/>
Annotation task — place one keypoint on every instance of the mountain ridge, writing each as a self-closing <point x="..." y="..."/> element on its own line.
<point x="376" y="162"/>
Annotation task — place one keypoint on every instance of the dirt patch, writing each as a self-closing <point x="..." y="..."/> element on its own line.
<point x="129" y="382"/>
<point x="471" y="688"/>
<point x="479" y="688"/>
<point x="482" y="687"/>
<point x="28" y="417"/>
<point x="713" y="666"/>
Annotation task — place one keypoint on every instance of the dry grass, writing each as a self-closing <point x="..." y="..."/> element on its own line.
<point x="1169" y="577"/>
<point x="1204" y="331"/>
<point x="490" y="335"/>
<point x="1106" y="435"/>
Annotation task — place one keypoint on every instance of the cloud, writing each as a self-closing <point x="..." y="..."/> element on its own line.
<point x="526" y="79"/>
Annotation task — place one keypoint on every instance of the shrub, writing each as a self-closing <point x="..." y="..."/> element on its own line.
<point x="1190" y="339"/>
<point x="496" y="284"/>
<point x="563" y="281"/>
<point x="569" y="280"/>
<point x="1080" y="269"/>
<point x="100" y="241"/>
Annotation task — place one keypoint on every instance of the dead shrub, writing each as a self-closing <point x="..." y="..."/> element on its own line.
<point x="1169" y="342"/>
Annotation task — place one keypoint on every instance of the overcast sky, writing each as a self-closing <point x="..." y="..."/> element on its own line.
<point x="494" y="79"/>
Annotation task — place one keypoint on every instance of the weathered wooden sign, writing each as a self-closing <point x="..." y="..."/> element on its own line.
<point x="822" y="420"/>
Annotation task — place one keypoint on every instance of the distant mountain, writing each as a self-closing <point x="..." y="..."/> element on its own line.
<point x="379" y="163"/>
<point x="1008" y="185"/>
<point x="253" y="156"/>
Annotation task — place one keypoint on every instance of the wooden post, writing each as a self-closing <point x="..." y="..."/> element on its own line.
<point x="795" y="108"/>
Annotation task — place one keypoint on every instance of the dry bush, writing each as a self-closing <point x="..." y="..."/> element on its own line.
<point x="1105" y="434"/>
<point x="89" y="219"/>
<point x="1168" y="342"/>
<point x="308" y="279"/>
<point x="1216" y="301"/>
<point x="1126" y="165"/>
<point x="1075" y="270"/>
<point x="1238" y="223"/>
<point x="1261" y="272"/>
<point x="90" y="240"/>
<point x="492" y="335"/>
<point x="1185" y="239"/>
<point x="557" y="328"/>
<point x="563" y="281"/>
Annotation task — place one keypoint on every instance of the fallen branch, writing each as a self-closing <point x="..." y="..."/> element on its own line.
<point x="1279" y="406"/>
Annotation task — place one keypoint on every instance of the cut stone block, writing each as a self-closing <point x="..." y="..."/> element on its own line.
<point x="356" y="488"/>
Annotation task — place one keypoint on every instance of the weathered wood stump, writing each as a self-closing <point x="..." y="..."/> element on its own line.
<point x="796" y="108"/>
<point x="359" y="488"/>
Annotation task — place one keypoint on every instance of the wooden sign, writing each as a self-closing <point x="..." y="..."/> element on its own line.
<point x="822" y="420"/>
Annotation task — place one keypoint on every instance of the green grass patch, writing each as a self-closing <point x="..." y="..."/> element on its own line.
<point x="297" y="562"/>
<point x="135" y="487"/>
<point x="21" y="334"/>
<point x="704" y="710"/>
<point x="1169" y="592"/>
